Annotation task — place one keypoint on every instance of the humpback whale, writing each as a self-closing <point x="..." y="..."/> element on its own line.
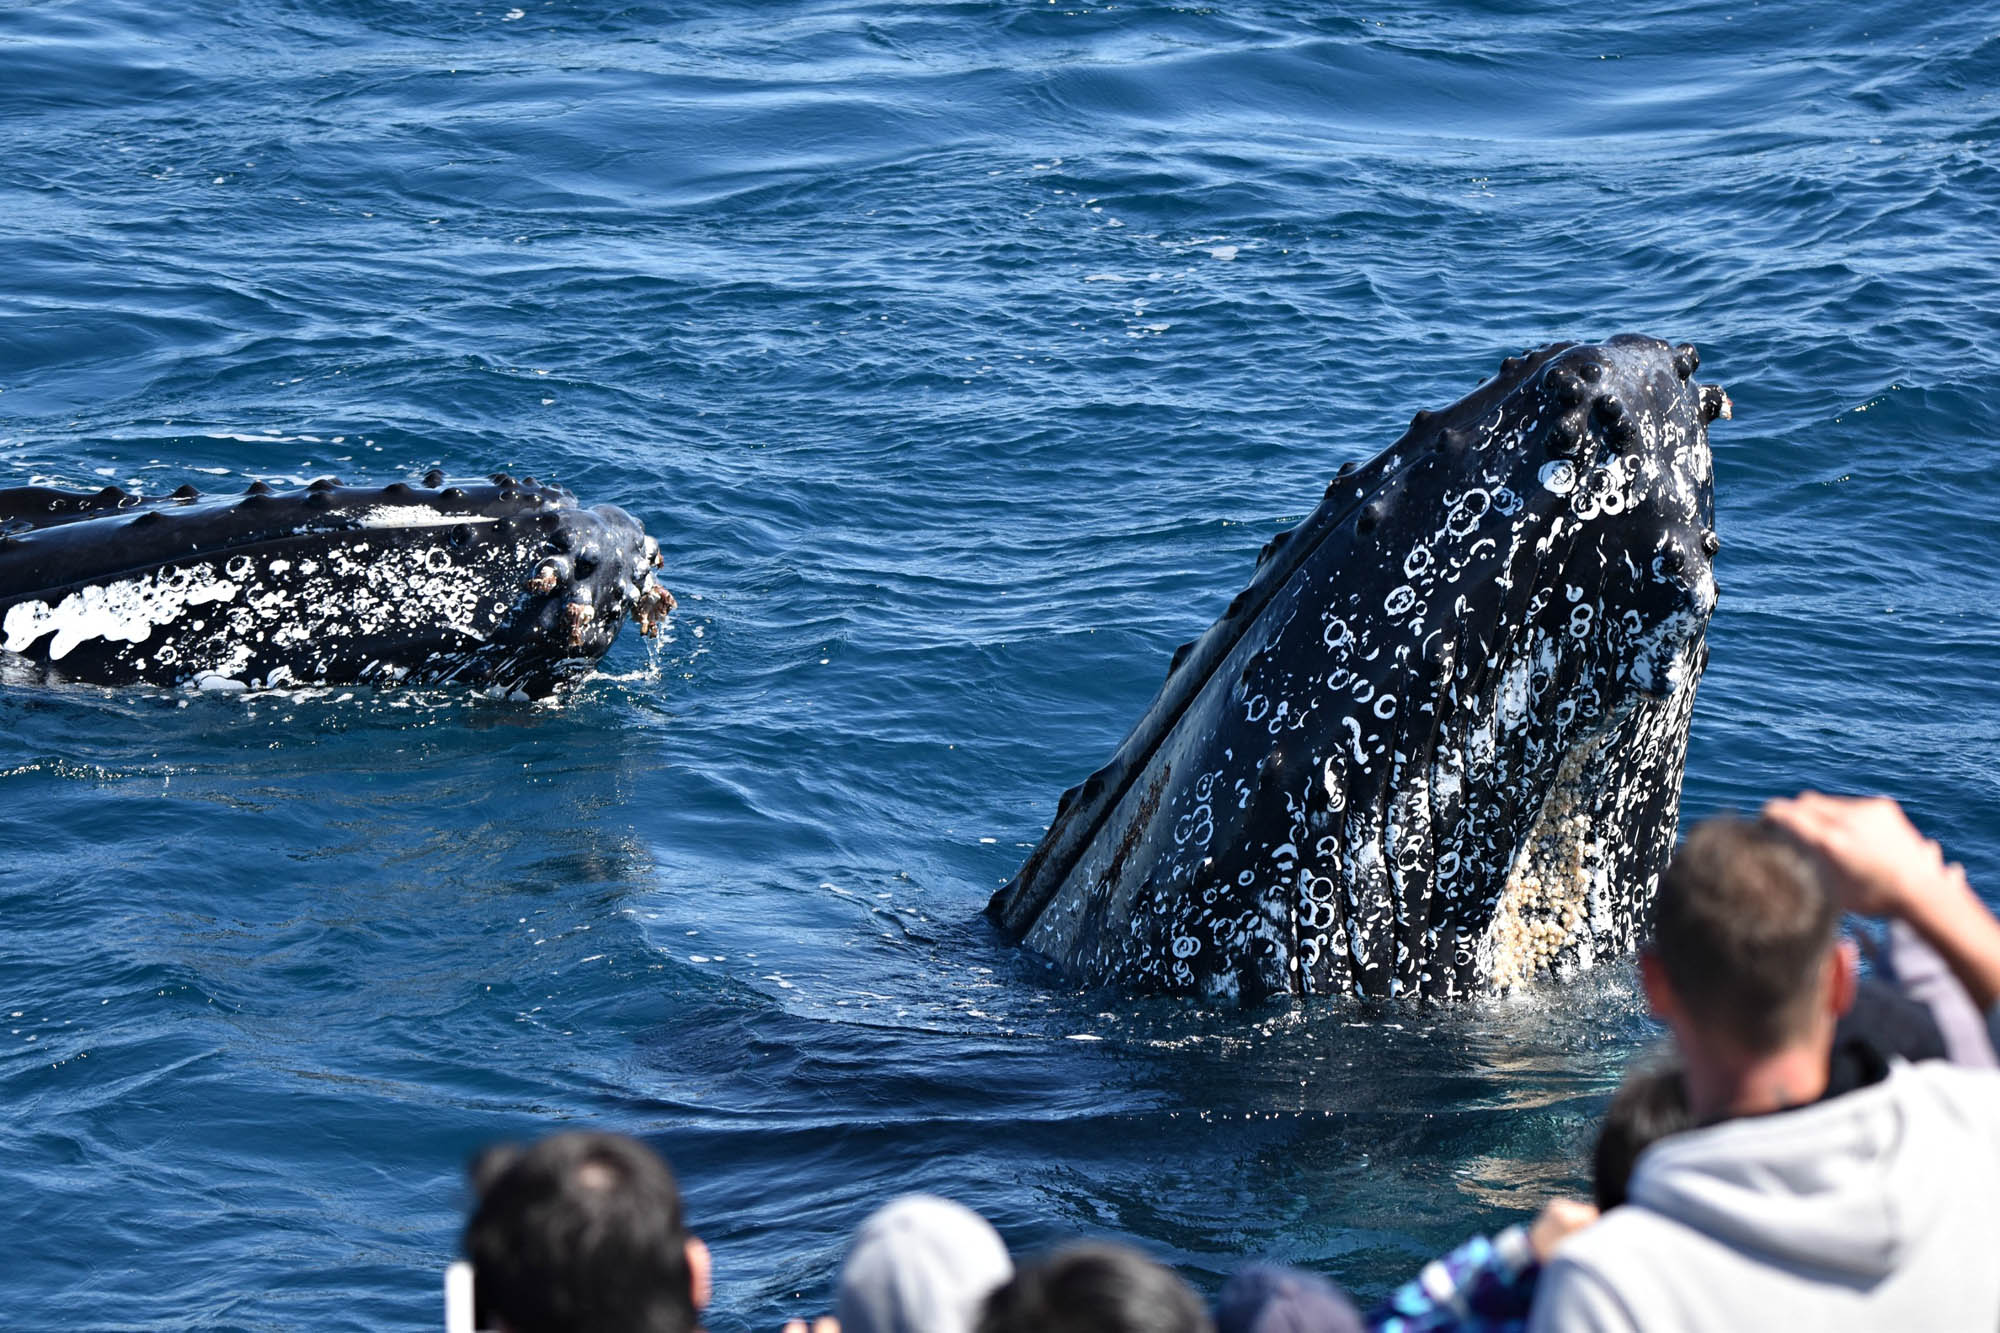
<point x="1435" y="747"/>
<point x="503" y="584"/>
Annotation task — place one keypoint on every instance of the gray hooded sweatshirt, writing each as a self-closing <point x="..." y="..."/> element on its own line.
<point x="1879" y="1209"/>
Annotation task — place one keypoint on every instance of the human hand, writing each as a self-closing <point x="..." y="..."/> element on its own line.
<point x="1875" y="860"/>
<point x="823" y="1324"/>
<point x="1557" y="1222"/>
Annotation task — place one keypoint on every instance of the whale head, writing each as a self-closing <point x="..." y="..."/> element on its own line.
<point x="1436" y="745"/>
<point x="504" y="584"/>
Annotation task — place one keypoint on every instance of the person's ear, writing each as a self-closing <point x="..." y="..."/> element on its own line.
<point x="1844" y="965"/>
<point x="1660" y="997"/>
<point x="698" y="1272"/>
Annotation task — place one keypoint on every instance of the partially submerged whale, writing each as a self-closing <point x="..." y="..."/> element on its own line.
<point x="503" y="584"/>
<point x="1436" y="746"/>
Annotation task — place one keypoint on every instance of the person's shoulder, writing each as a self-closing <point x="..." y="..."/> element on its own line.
<point x="1626" y="1229"/>
<point x="1970" y="1092"/>
<point x="1621" y="1273"/>
<point x="1603" y="1251"/>
<point x="1581" y="1288"/>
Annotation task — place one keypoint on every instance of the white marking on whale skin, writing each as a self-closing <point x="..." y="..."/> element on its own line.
<point x="1467" y="511"/>
<point x="415" y="516"/>
<point x="125" y="611"/>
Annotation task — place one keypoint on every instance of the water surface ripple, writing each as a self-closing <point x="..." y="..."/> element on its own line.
<point x="961" y="356"/>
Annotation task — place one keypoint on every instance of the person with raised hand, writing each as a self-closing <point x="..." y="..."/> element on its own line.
<point x="1784" y="1207"/>
<point x="1877" y="864"/>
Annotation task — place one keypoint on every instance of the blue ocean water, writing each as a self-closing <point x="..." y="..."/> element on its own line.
<point x="960" y="356"/>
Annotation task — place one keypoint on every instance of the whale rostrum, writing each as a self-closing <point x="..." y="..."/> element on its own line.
<point x="1435" y="747"/>
<point x="503" y="584"/>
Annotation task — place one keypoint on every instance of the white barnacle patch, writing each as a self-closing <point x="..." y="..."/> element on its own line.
<point x="1335" y="783"/>
<point x="415" y="516"/>
<point x="1400" y="599"/>
<point x="1465" y="515"/>
<point x="1558" y="476"/>
<point x="1516" y="689"/>
<point x="1354" y="741"/>
<point x="127" y="610"/>
<point x="1543" y="914"/>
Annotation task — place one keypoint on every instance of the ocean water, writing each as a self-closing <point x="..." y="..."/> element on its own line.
<point x="960" y="356"/>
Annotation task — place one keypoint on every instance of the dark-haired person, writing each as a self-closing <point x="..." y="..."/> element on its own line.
<point x="582" y="1233"/>
<point x="1094" y="1288"/>
<point x="1649" y="1105"/>
<point x="1878" y="1208"/>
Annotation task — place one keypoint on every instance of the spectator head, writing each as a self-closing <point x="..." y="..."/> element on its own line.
<point x="1267" y="1299"/>
<point x="1743" y="948"/>
<point x="1094" y="1289"/>
<point x="920" y="1265"/>
<point x="582" y="1233"/>
<point x="1649" y="1105"/>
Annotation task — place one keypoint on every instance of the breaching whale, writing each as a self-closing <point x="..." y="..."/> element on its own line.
<point x="1435" y="747"/>
<point x="503" y="584"/>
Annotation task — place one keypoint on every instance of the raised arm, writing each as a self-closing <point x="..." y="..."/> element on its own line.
<point x="1880" y="865"/>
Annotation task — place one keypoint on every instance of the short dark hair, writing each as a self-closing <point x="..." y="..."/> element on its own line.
<point x="1096" y="1288"/>
<point x="581" y="1233"/>
<point x="1649" y="1105"/>
<point x="1742" y="926"/>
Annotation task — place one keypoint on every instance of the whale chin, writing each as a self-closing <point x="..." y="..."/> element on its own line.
<point x="1435" y="747"/>
<point x="501" y="584"/>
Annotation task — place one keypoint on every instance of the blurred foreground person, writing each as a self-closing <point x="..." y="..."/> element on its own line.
<point x="1879" y="1208"/>
<point x="1096" y="1288"/>
<point x="582" y="1233"/>
<point x="1267" y="1298"/>
<point x="920" y="1264"/>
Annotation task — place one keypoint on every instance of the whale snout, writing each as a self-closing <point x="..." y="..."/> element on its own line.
<point x="606" y="572"/>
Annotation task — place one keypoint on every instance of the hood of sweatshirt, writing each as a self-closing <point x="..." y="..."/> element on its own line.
<point x="1845" y="1186"/>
